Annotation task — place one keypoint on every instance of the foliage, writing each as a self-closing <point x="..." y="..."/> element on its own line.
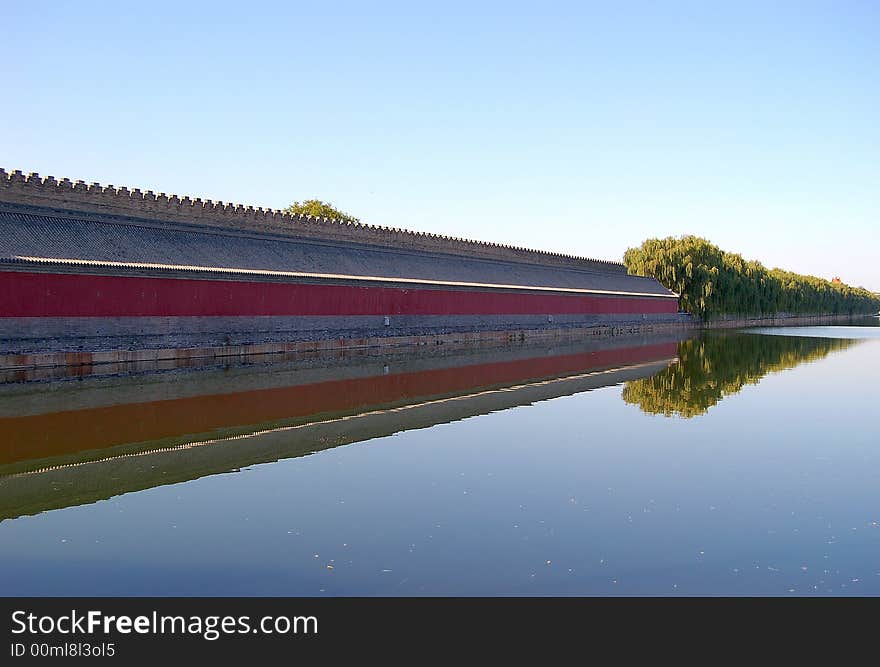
<point x="319" y="209"/>
<point x="713" y="283"/>
<point x="714" y="366"/>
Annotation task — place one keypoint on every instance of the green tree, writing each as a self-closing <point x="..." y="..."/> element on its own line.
<point x="712" y="283"/>
<point x="319" y="209"/>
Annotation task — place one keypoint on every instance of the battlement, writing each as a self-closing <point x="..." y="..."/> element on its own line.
<point x="94" y="198"/>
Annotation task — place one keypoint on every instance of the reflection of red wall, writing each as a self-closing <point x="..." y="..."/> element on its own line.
<point x="39" y="436"/>
<point x="72" y="295"/>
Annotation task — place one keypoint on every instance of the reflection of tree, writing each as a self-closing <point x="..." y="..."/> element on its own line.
<point x="714" y="366"/>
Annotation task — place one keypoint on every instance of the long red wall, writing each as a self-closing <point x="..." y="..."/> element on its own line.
<point x="74" y="295"/>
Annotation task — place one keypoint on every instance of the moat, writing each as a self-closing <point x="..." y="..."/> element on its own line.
<point x="727" y="463"/>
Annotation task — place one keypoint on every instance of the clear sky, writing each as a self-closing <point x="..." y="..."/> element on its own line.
<point x="578" y="127"/>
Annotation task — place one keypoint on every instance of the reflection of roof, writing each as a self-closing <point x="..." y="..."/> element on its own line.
<point x="108" y="418"/>
<point x="288" y="421"/>
<point x="120" y="245"/>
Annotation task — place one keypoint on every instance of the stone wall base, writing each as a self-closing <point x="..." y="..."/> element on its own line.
<point x="779" y="321"/>
<point x="181" y="356"/>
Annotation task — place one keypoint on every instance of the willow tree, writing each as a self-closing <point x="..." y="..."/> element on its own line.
<point x="713" y="283"/>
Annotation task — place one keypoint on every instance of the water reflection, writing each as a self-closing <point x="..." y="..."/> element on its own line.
<point x="713" y="366"/>
<point x="481" y="487"/>
<point x="76" y="443"/>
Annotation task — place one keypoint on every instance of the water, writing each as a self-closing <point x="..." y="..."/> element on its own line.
<point x="728" y="464"/>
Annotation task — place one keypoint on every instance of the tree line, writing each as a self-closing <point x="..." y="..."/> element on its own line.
<point x="713" y="283"/>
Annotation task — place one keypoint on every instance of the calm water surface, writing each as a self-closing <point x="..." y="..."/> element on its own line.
<point x="740" y="463"/>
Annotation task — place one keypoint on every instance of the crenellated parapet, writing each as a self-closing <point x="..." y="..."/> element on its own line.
<point x="94" y="198"/>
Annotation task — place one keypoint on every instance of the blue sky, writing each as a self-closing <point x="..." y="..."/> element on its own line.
<point x="577" y="127"/>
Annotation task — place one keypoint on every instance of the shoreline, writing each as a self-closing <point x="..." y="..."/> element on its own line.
<point x="26" y="366"/>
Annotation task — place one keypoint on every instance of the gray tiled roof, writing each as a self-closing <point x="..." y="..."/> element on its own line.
<point x="73" y="237"/>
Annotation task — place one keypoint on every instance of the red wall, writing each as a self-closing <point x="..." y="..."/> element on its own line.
<point x="72" y="295"/>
